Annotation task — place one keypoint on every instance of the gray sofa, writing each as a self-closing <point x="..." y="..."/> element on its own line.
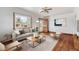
<point x="23" y="36"/>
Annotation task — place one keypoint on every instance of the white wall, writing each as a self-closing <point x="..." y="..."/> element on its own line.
<point x="70" y="24"/>
<point x="6" y="18"/>
<point x="76" y="11"/>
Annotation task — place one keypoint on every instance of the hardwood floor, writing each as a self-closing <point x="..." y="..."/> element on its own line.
<point x="66" y="43"/>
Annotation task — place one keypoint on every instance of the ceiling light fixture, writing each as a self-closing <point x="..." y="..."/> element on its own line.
<point x="45" y="9"/>
<point x="45" y="12"/>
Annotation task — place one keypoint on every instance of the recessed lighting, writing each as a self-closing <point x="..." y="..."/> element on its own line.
<point x="37" y="21"/>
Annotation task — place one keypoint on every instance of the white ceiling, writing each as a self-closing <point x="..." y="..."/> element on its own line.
<point x="55" y="11"/>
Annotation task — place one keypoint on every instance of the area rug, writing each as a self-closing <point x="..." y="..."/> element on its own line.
<point x="47" y="45"/>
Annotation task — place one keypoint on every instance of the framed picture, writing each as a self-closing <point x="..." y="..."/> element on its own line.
<point x="21" y="21"/>
<point x="60" y="22"/>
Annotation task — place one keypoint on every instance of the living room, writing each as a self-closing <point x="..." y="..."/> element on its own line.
<point x="45" y="28"/>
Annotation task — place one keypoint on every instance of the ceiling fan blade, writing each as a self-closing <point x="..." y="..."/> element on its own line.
<point x="46" y="9"/>
<point x="50" y="9"/>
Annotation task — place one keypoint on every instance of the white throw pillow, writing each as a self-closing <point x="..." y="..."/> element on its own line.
<point x="17" y="31"/>
<point x="2" y="47"/>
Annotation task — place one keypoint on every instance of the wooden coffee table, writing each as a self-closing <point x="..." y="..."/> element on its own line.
<point x="32" y="40"/>
<point x="35" y="41"/>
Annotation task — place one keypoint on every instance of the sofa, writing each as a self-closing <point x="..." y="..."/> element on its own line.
<point x="21" y="35"/>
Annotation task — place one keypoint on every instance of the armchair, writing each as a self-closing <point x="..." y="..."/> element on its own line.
<point x="11" y="46"/>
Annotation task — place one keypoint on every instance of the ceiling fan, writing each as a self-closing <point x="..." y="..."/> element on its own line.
<point x="45" y="9"/>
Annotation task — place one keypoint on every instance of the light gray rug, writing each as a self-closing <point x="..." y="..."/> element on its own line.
<point x="47" y="45"/>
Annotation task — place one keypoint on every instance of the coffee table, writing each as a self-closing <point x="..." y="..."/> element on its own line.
<point x="35" y="40"/>
<point x="32" y="41"/>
